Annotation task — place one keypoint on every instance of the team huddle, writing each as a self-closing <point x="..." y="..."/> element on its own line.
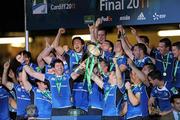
<point x="130" y="82"/>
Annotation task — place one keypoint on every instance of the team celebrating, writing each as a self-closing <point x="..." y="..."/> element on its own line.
<point x="119" y="81"/>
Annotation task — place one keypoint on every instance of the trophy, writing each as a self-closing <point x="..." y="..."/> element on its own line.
<point x="91" y="56"/>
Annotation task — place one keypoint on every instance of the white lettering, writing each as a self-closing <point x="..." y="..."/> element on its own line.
<point x="126" y="17"/>
<point x="106" y="5"/>
<point x="62" y="6"/>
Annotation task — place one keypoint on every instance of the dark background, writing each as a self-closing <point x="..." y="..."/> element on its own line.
<point x="11" y="16"/>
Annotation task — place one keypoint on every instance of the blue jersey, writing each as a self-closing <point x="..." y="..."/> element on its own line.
<point x="42" y="100"/>
<point x="176" y="74"/>
<point x="122" y="60"/>
<point x="165" y="65"/>
<point x="74" y="59"/>
<point x="105" y="78"/>
<point x="96" y="98"/>
<point x="141" y="109"/>
<point x="141" y="62"/>
<point x="144" y="101"/>
<point x="163" y="95"/>
<point x="23" y="99"/>
<point x="47" y="67"/>
<point x="80" y="96"/>
<point x="13" y="95"/>
<point x="4" y="102"/>
<point x="109" y="107"/>
<point x="35" y="68"/>
<point x="60" y="90"/>
<point x="107" y="55"/>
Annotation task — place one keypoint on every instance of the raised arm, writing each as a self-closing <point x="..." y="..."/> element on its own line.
<point x="33" y="73"/>
<point x="56" y="40"/>
<point x="122" y="33"/>
<point x="97" y="24"/>
<point x="139" y="73"/>
<point x="135" y="33"/>
<point x="44" y="53"/>
<point x="55" y="43"/>
<point x="133" y="98"/>
<point x="78" y="71"/>
<point x="48" y="59"/>
<point x="25" y="82"/>
<point x="92" y="32"/>
<point x="124" y="44"/>
<point x="5" y="81"/>
<point x="118" y="73"/>
<point x="97" y="80"/>
<point x="12" y="76"/>
<point x="29" y="70"/>
<point x="139" y="40"/>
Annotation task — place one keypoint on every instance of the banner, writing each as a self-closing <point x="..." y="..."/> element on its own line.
<point x="52" y="14"/>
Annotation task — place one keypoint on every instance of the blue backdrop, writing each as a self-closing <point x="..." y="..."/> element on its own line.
<point x="52" y="14"/>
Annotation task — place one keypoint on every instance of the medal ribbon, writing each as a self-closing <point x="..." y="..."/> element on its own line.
<point x="89" y="69"/>
<point x="107" y="93"/>
<point x="76" y="57"/>
<point x="58" y="81"/>
<point x="100" y="69"/>
<point x="176" y="67"/>
<point x="165" y="63"/>
<point x="47" y="94"/>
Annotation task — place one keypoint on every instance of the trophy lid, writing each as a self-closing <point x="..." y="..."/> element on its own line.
<point x="93" y="49"/>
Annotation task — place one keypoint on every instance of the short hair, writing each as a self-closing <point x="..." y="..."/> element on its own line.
<point x="146" y="39"/>
<point x="27" y="53"/>
<point x="111" y="44"/>
<point x="151" y="66"/>
<point x="46" y="82"/>
<point x="155" y="75"/>
<point x="79" y="38"/>
<point x="167" y="42"/>
<point x="57" y="61"/>
<point x="102" y="29"/>
<point x="142" y="47"/>
<point x="176" y="44"/>
<point x="174" y="97"/>
<point x="106" y="62"/>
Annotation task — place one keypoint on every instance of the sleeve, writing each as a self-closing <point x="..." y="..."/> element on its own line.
<point x="34" y="89"/>
<point x="14" y="85"/>
<point x="148" y="60"/>
<point x="172" y="89"/>
<point x="69" y="52"/>
<point x="122" y="61"/>
<point x="66" y="67"/>
<point x="67" y="75"/>
<point x="154" y="93"/>
<point x="106" y="86"/>
<point x="48" y="76"/>
<point x="153" y="52"/>
<point x="136" y="90"/>
<point x="6" y="92"/>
